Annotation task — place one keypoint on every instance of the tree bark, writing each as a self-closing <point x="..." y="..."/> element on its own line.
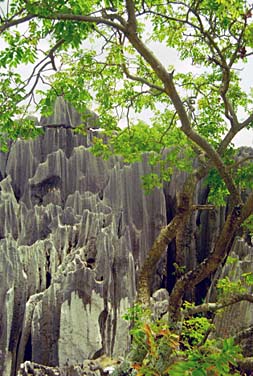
<point x="210" y="264"/>
<point x="166" y="235"/>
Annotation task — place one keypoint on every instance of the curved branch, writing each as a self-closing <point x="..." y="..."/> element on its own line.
<point x="49" y="55"/>
<point x="140" y="79"/>
<point x="226" y="140"/>
<point x="240" y="162"/>
<point x="247" y="209"/>
<point x="246" y="122"/>
<point x="229" y="111"/>
<point x="167" y="79"/>
<point x="82" y="18"/>
<point x="233" y="131"/>
<point x="213" y="307"/>
<point x="190" y="279"/>
<point x="239" y="44"/>
<point x="166" y="235"/>
<point x="36" y="80"/>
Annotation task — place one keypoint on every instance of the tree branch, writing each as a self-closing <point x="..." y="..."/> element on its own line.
<point x="210" y="264"/>
<point x="140" y="79"/>
<point x="36" y="80"/>
<point x="247" y="209"/>
<point x="246" y="122"/>
<point x="9" y="24"/>
<point x="82" y="18"/>
<point x="238" y="44"/>
<point x="166" y="235"/>
<point x="132" y="23"/>
<point x="240" y="162"/>
<point x="167" y="79"/>
<point x="214" y="307"/>
<point x="233" y="131"/>
<point x="50" y="55"/>
<point x="203" y="207"/>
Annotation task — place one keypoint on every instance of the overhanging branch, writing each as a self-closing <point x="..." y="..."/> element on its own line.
<point x="8" y="24"/>
<point x="214" y="307"/>
<point x="83" y="18"/>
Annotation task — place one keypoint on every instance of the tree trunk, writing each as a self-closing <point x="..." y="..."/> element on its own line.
<point x="174" y="229"/>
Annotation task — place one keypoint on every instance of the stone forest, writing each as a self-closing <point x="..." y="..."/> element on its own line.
<point x="74" y="232"/>
<point x="126" y="188"/>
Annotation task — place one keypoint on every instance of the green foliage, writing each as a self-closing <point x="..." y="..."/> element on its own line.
<point x="227" y="288"/>
<point x="218" y="191"/>
<point x="244" y="176"/>
<point x="194" y="330"/>
<point x="248" y="224"/>
<point x="164" y="152"/>
<point x="152" y="343"/>
<point x="231" y="260"/>
<point x="157" y="351"/>
<point x="248" y="278"/>
<point x="211" y="361"/>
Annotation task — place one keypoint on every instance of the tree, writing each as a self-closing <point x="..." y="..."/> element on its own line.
<point x="100" y="52"/>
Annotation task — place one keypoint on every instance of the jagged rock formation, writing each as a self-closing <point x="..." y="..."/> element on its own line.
<point x="74" y="232"/>
<point x="238" y="317"/>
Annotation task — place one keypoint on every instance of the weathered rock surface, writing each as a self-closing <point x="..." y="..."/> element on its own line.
<point x="238" y="317"/>
<point x="88" y="368"/>
<point x="74" y="231"/>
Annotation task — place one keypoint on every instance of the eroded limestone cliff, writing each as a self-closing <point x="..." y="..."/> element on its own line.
<point x="74" y="232"/>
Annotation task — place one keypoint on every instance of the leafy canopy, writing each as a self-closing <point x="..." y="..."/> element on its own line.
<point x="99" y="54"/>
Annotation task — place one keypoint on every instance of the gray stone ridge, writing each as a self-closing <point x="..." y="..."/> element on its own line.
<point x="238" y="317"/>
<point x="65" y="115"/>
<point x="74" y="231"/>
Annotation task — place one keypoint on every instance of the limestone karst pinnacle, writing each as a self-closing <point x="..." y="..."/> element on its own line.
<point x="74" y="231"/>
